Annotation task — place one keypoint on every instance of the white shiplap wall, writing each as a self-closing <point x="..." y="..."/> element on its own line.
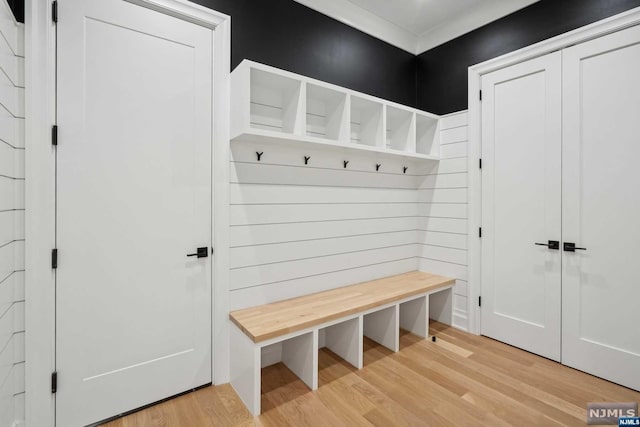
<point x="442" y="224"/>
<point x="298" y="229"/>
<point x="11" y="219"/>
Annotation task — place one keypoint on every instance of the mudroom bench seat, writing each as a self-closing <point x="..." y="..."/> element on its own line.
<point x="292" y="331"/>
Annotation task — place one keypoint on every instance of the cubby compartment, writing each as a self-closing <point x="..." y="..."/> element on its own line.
<point x="325" y="113"/>
<point x="401" y="127"/>
<point x="414" y="316"/>
<point x="427" y="135"/>
<point x="299" y="354"/>
<point x="344" y="339"/>
<point x="275" y="101"/>
<point x="382" y="327"/>
<point x="367" y="127"/>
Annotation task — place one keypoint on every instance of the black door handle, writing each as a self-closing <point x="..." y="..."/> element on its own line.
<point x="553" y="244"/>
<point x="201" y="252"/>
<point x="571" y="247"/>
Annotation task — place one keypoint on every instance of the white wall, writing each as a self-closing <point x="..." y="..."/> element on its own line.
<point x="299" y="229"/>
<point x="442" y="223"/>
<point x="11" y="219"/>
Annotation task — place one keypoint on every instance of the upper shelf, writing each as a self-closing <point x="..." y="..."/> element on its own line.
<point x="276" y="106"/>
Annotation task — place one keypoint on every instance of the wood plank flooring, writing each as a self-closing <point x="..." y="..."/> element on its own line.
<point x="460" y="380"/>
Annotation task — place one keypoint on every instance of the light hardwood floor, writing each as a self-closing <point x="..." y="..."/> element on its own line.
<point x="461" y="380"/>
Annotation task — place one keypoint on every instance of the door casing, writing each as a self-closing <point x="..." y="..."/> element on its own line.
<point x="40" y="194"/>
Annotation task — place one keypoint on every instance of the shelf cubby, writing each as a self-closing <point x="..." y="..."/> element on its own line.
<point x="274" y="100"/>
<point x="325" y="115"/>
<point x="427" y="135"/>
<point x="400" y="132"/>
<point x="382" y="327"/>
<point x="273" y="106"/>
<point x="345" y="340"/>
<point x="367" y="126"/>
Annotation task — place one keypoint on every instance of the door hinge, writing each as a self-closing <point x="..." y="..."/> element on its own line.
<point x="54" y="258"/>
<point x="54" y="11"/>
<point x="54" y="135"/>
<point x="54" y="382"/>
<point x="480" y="95"/>
<point x="480" y="164"/>
<point x="479" y="231"/>
<point x="479" y="301"/>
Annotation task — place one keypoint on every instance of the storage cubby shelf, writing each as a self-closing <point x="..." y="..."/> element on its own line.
<point x="273" y="106"/>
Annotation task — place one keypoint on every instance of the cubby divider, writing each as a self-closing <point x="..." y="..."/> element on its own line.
<point x="382" y="327"/>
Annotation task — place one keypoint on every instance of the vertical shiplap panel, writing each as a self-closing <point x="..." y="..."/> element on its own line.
<point x="297" y="229"/>
<point x="442" y="223"/>
<point x="12" y="354"/>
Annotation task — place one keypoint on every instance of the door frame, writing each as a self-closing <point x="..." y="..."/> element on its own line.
<point x="40" y="98"/>
<point x="597" y="29"/>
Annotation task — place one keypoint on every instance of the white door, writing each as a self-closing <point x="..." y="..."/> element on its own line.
<point x="133" y="199"/>
<point x="601" y="207"/>
<point x="521" y="146"/>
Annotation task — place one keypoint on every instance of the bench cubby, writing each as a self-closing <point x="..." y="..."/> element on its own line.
<point x="292" y="331"/>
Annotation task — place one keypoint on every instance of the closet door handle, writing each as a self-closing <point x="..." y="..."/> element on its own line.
<point x="201" y="253"/>
<point x="571" y="247"/>
<point x="553" y="244"/>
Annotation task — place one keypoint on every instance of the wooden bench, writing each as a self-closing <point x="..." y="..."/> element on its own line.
<point x="295" y="329"/>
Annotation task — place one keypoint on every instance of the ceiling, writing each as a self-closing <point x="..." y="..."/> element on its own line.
<point x="416" y="25"/>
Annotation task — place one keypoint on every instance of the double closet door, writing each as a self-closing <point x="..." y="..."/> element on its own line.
<point x="561" y="206"/>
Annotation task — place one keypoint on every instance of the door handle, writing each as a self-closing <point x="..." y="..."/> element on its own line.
<point x="201" y="252"/>
<point x="571" y="247"/>
<point x="553" y="244"/>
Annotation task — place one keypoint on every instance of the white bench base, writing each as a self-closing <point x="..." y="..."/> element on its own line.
<point x="299" y="350"/>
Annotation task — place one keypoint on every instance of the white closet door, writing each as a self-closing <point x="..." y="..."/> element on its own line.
<point x="521" y="147"/>
<point x="601" y="207"/>
<point x="134" y="198"/>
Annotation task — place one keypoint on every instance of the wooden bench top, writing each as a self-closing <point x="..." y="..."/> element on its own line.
<point x="280" y="318"/>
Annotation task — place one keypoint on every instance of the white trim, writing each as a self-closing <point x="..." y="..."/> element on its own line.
<point x="588" y="32"/>
<point x="365" y="21"/>
<point x="482" y="14"/>
<point x="40" y="195"/>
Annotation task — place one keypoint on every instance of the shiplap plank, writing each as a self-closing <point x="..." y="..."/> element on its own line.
<point x="251" y="173"/>
<point x="7" y="294"/>
<point x="7" y="327"/>
<point x="455" y="165"/>
<point x="7" y="226"/>
<point x="7" y="352"/>
<point x="18" y="194"/>
<point x="11" y="97"/>
<point x="443" y="268"/>
<point x="243" y="298"/>
<point x="277" y="233"/>
<point x="447" y="240"/>
<point x="453" y="135"/>
<point x="461" y="288"/>
<point x="443" y="210"/>
<point x="282" y="252"/>
<point x="18" y="285"/>
<point x="7" y="193"/>
<point x="442" y="195"/>
<point x="18" y="254"/>
<point x="460" y="303"/>
<point x="271" y="273"/>
<point x="447" y="225"/>
<point x="455" y="150"/>
<point x="279" y="194"/>
<point x="6" y="400"/>
<point x="7" y="259"/>
<point x="10" y="64"/>
<point x="439" y="253"/>
<point x="276" y="214"/>
<point x="454" y="120"/>
<point x="7" y="160"/>
<point x="449" y="180"/>
<point x="11" y="129"/>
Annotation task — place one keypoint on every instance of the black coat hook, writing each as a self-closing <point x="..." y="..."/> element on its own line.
<point x="346" y="162"/>
<point x="378" y="166"/>
<point x="259" y="154"/>
<point x="405" y="169"/>
<point x="306" y="159"/>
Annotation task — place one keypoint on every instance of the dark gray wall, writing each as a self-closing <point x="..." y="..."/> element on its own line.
<point x="442" y="72"/>
<point x="288" y="35"/>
